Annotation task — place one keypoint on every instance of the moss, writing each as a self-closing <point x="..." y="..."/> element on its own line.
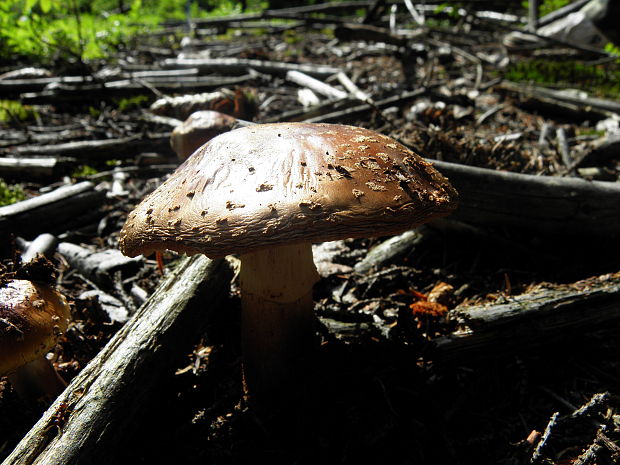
<point x="10" y="194"/>
<point x="83" y="171"/>
<point x="11" y="110"/>
<point x="602" y="80"/>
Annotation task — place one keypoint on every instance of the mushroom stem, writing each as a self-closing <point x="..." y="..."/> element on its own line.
<point x="37" y="380"/>
<point x="277" y="316"/>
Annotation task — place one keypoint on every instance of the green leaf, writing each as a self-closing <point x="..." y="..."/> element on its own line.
<point x="29" y="5"/>
<point x="46" y="5"/>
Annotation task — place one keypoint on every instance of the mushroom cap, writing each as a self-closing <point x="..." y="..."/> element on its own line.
<point x="199" y="128"/>
<point x="32" y="318"/>
<point x="274" y="184"/>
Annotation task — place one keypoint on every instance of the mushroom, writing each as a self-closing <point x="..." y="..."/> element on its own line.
<point x="199" y="128"/>
<point x="32" y="318"/>
<point x="267" y="192"/>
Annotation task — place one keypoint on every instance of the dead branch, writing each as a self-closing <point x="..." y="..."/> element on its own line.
<point x="353" y="31"/>
<point x="563" y="98"/>
<point x="314" y="84"/>
<point x="99" y="149"/>
<point x="545" y="204"/>
<point x="356" y="111"/>
<point x="390" y="250"/>
<point x="78" y="94"/>
<point x="47" y="212"/>
<point x="232" y="66"/>
<point x="31" y="167"/>
<point x="526" y="321"/>
<point x="100" y="266"/>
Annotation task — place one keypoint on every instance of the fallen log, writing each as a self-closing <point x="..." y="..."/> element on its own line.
<point x="243" y="65"/>
<point x="41" y="167"/>
<point x="100" y="404"/>
<point x="545" y="204"/>
<point x="315" y="85"/>
<point x="579" y="100"/>
<point x="543" y="316"/>
<point x="602" y="150"/>
<point x="63" y="94"/>
<point x="303" y="114"/>
<point x="391" y="250"/>
<point x="22" y="85"/>
<point x="99" y="149"/>
<point x="100" y="266"/>
<point x="368" y="33"/>
<point x="357" y="111"/>
<point x="52" y="212"/>
<point x="44" y="245"/>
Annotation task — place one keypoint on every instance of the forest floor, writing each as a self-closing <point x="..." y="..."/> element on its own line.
<point x="378" y="389"/>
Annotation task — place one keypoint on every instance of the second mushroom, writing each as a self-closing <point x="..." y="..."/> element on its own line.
<point x="267" y="192"/>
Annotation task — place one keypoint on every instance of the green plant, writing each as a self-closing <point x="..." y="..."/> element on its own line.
<point x="130" y="103"/>
<point x="10" y="194"/>
<point x="83" y="171"/>
<point x="547" y="6"/>
<point x="52" y="30"/>
<point x="613" y="49"/>
<point x="11" y="110"/>
<point x="602" y="80"/>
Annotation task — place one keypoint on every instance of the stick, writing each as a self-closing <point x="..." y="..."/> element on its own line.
<point x="50" y="211"/>
<point x="242" y="65"/>
<point x="30" y="167"/>
<point x="100" y="266"/>
<point x="314" y="84"/>
<point x="529" y="320"/>
<point x="101" y="149"/>
<point x="546" y="204"/>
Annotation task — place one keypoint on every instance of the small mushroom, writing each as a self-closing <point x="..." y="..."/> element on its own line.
<point x="316" y="174"/>
<point x="32" y="318"/>
<point x="198" y="129"/>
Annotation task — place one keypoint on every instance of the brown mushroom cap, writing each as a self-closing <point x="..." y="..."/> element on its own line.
<point x="276" y="184"/>
<point x="199" y="128"/>
<point x="32" y="317"/>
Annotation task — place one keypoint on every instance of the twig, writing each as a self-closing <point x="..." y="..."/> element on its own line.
<point x="595" y="401"/>
<point x="537" y="454"/>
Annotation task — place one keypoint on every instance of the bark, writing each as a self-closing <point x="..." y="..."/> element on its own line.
<point x="546" y="204"/>
<point x="324" y="108"/>
<point x="63" y="94"/>
<point x="352" y="31"/>
<point x="44" y="244"/>
<point x="54" y="211"/>
<point x="390" y="250"/>
<point x="98" y="266"/>
<point x="243" y="65"/>
<point x="17" y="86"/>
<point x="315" y="85"/>
<point x="602" y="151"/>
<point x="565" y="99"/>
<point x="30" y="167"/>
<point x="544" y="316"/>
<point x="101" y="149"/>
<point x="357" y="111"/>
<point x="100" y="404"/>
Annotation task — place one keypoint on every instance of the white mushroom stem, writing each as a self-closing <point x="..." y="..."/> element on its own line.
<point x="37" y="380"/>
<point x="277" y="315"/>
